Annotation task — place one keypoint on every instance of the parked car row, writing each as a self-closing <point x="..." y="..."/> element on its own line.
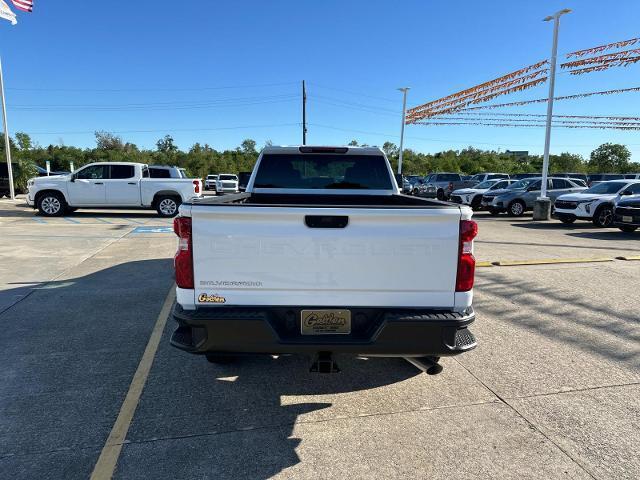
<point x="442" y="185"/>
<point x="607" y="203"/>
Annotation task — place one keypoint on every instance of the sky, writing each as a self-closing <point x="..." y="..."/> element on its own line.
<point x="218" y="72"/>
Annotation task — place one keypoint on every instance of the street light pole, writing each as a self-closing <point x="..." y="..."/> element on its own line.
<point x="404" y="91"/>
<point x="543" y="204"/>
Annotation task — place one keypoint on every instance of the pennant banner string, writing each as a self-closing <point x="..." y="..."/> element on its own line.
<point x="602" y="127"/>
<point x="566" y="97"/>
<point x="486" y="98"/>
<point x="602" y="48"/>
<point x="509" y="76"/>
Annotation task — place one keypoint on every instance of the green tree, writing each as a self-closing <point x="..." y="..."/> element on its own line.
<point x="610" y="157"/>
<point x="108" y="141"/>
<point x="24" y="141"/>
<point x="166" y="145"/>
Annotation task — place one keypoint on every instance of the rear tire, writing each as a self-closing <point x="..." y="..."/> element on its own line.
<point x="219" y="358"/>
<point x="516" y="208"/>
<point x="167" y="205"/>
<point x="603" y="216"/>
<point x="627" y="228"/>
<point x="440" y="194"/>
<point x="52" y="204"/>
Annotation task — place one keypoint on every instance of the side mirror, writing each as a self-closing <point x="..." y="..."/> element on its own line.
<point x="626" y="192"/>
<point x="73" y="178"/>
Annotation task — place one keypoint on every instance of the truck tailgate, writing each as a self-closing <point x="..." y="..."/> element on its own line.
<point x="386" y="257"/>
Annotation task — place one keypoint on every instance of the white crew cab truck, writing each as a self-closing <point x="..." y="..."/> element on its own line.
<point x="312" y="258"/>
<point x="110" y="185"/>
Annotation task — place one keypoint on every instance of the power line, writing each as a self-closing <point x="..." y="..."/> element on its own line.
<point x="156" y="106"/>
<point x="441" y="140"/>
<point x="167" y="130"/>
<point x="351" y="92"/>
<point x="151" y="89"/>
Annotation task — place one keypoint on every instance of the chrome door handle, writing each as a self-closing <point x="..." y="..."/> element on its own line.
<point x="131" y="183"/>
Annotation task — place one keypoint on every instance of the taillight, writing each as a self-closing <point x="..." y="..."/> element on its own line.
<point x="196" y="186"/>
<point x="466" y="260"/>
<point x="183" y="260"/>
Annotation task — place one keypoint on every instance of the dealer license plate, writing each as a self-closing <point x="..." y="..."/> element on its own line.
<point x="325" y="322"/>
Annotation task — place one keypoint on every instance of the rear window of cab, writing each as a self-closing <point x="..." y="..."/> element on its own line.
<point x="323" y="171"/>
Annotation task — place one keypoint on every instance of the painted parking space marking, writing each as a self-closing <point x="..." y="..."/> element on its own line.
<point x="106" y="464"/>
<point x="151" y="229"/>
<point x="549" y="261"/>
<point x="629" y="257"/>
<point x="102" y="220"/>
<point x="71" y="220"/>
<point x="39" y="220"/>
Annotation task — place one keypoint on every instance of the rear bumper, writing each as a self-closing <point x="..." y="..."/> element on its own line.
<point x="375" y="331"/>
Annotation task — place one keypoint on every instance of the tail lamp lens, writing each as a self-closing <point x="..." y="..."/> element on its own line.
<point x="183" y="260"/>
<point x="466" y="260"/>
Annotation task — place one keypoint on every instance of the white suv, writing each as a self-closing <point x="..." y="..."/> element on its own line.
<point x="596" y="203"/>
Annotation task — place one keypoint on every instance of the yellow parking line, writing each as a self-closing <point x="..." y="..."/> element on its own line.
<point x="484" y="264"/>
<point x="549" y="261"/>
<point x="110" y="453"/>
<point x="632" y="257"/>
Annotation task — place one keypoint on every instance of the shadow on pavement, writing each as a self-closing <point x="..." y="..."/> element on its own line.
<point x="579" y="322"/>
<point x="68" y="351"/>
<point x="608" y="235"/>
<point x="236" y="421"/>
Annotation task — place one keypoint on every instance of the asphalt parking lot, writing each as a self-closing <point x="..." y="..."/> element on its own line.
<point x="552" y="391"/>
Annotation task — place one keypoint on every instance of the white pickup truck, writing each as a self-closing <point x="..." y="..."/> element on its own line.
<point x="110" y="185"/>
<point x="312" y="259"/>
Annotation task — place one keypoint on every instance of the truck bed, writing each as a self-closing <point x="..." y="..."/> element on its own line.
<point x="334" y="201"/>
<point x="325" y="250"/>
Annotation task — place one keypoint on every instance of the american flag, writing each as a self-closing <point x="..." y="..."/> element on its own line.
<point x="25" y="5"/>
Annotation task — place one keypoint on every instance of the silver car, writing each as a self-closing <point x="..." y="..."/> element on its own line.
<point x="520" y="196"/>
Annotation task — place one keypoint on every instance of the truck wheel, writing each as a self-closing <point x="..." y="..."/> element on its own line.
<point x="440" y="194"/>
<point x="516" y="208"/>
<point x="603" y="216"/>
<point x="627" y="228"/>
<point x="219" y="358"/>
<point x="52" y="204"/>
<point x="167" y="206"/>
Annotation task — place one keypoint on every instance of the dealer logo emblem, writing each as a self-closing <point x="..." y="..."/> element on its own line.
<point x="206" y="298"/>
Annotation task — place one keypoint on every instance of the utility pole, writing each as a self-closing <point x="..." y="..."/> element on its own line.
<point x="7" y="145"/>
<point x="304" y="114"/>
<point x="542" y="207"/>
<point x="404" y="91"/>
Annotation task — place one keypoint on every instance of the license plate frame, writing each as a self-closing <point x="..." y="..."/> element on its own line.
<point x="627" y="219"/>
<point x="325" y="321"/>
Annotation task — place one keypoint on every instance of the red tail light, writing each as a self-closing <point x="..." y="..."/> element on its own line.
<point x="183" y="261"/>
<point x="196" y="186"/>
<point x="466" y="260"/>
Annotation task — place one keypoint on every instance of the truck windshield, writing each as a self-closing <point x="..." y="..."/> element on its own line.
<point x="227" y="177"/>
<point x="323" y="171"/>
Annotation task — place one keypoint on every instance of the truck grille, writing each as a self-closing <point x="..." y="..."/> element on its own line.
<point x="456" y="199"/>
<point x="228" y="185"/>
<point x="566" y="205"/>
